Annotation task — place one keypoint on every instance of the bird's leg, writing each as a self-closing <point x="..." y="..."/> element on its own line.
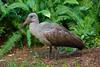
<point x="50" y="52"/>
<point x="57" y="53"/>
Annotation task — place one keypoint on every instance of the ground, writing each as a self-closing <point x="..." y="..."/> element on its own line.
<point x="83" y="58"/>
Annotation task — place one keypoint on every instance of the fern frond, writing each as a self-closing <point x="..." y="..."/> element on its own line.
<point x="10" y="43"/>
<point x="18" y="5"/>
<point x="61" y="9"/>
<point x="2" y="10"/>
<point x="61" y="18"/>
<point x="71" y="2"/>
<point x="6" y="10"/>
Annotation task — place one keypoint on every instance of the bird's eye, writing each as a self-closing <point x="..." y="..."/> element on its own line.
<point x="31" y="16"/>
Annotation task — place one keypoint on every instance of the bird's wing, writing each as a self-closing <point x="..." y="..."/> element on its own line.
<point x="46" y="25"/>
<point x="51" y="26"/>
<point x="60" y="36"/>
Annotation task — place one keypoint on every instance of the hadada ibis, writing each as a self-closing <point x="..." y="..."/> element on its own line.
<point x="52" y="34"/>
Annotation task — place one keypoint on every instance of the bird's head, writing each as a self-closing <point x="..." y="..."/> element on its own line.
<point x="31" y="18"/>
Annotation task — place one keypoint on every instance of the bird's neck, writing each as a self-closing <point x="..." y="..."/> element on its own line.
<point x="33" y="28"/>
<point x="33" y="24"/>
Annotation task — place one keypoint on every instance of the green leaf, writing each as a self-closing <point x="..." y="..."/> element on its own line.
<point x="10" y="43"/>
<point x="64" y="65"/>
<point x="82" y="37"/>
<point x="3" y="9"/>
<point x="20" y="1"/>
<point x="24" y="63"/>
<point x="28" y="38"/>
<point x="71" y="2"/>
<point x="18" y="5"/>
<point x="45" y="13"/>
<point x="86" y="4"/>
<point x="11" y="64"/>
<point x="31" y="4"/>
<point x="62" y="9"/>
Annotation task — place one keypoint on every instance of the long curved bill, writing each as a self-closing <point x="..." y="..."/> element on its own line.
<point x="26" y="22"/>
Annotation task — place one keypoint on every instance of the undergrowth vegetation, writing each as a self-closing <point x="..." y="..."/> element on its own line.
<point x="79" y="16"/>
<point x="37" y="63"/>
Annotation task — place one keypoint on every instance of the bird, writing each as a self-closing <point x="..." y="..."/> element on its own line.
<point x="52" y="34"/>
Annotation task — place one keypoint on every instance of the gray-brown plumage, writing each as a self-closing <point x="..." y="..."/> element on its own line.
<point x="52" y="34"/>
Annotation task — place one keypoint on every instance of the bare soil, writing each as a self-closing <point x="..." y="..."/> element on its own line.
<point x="84" y="58"/>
